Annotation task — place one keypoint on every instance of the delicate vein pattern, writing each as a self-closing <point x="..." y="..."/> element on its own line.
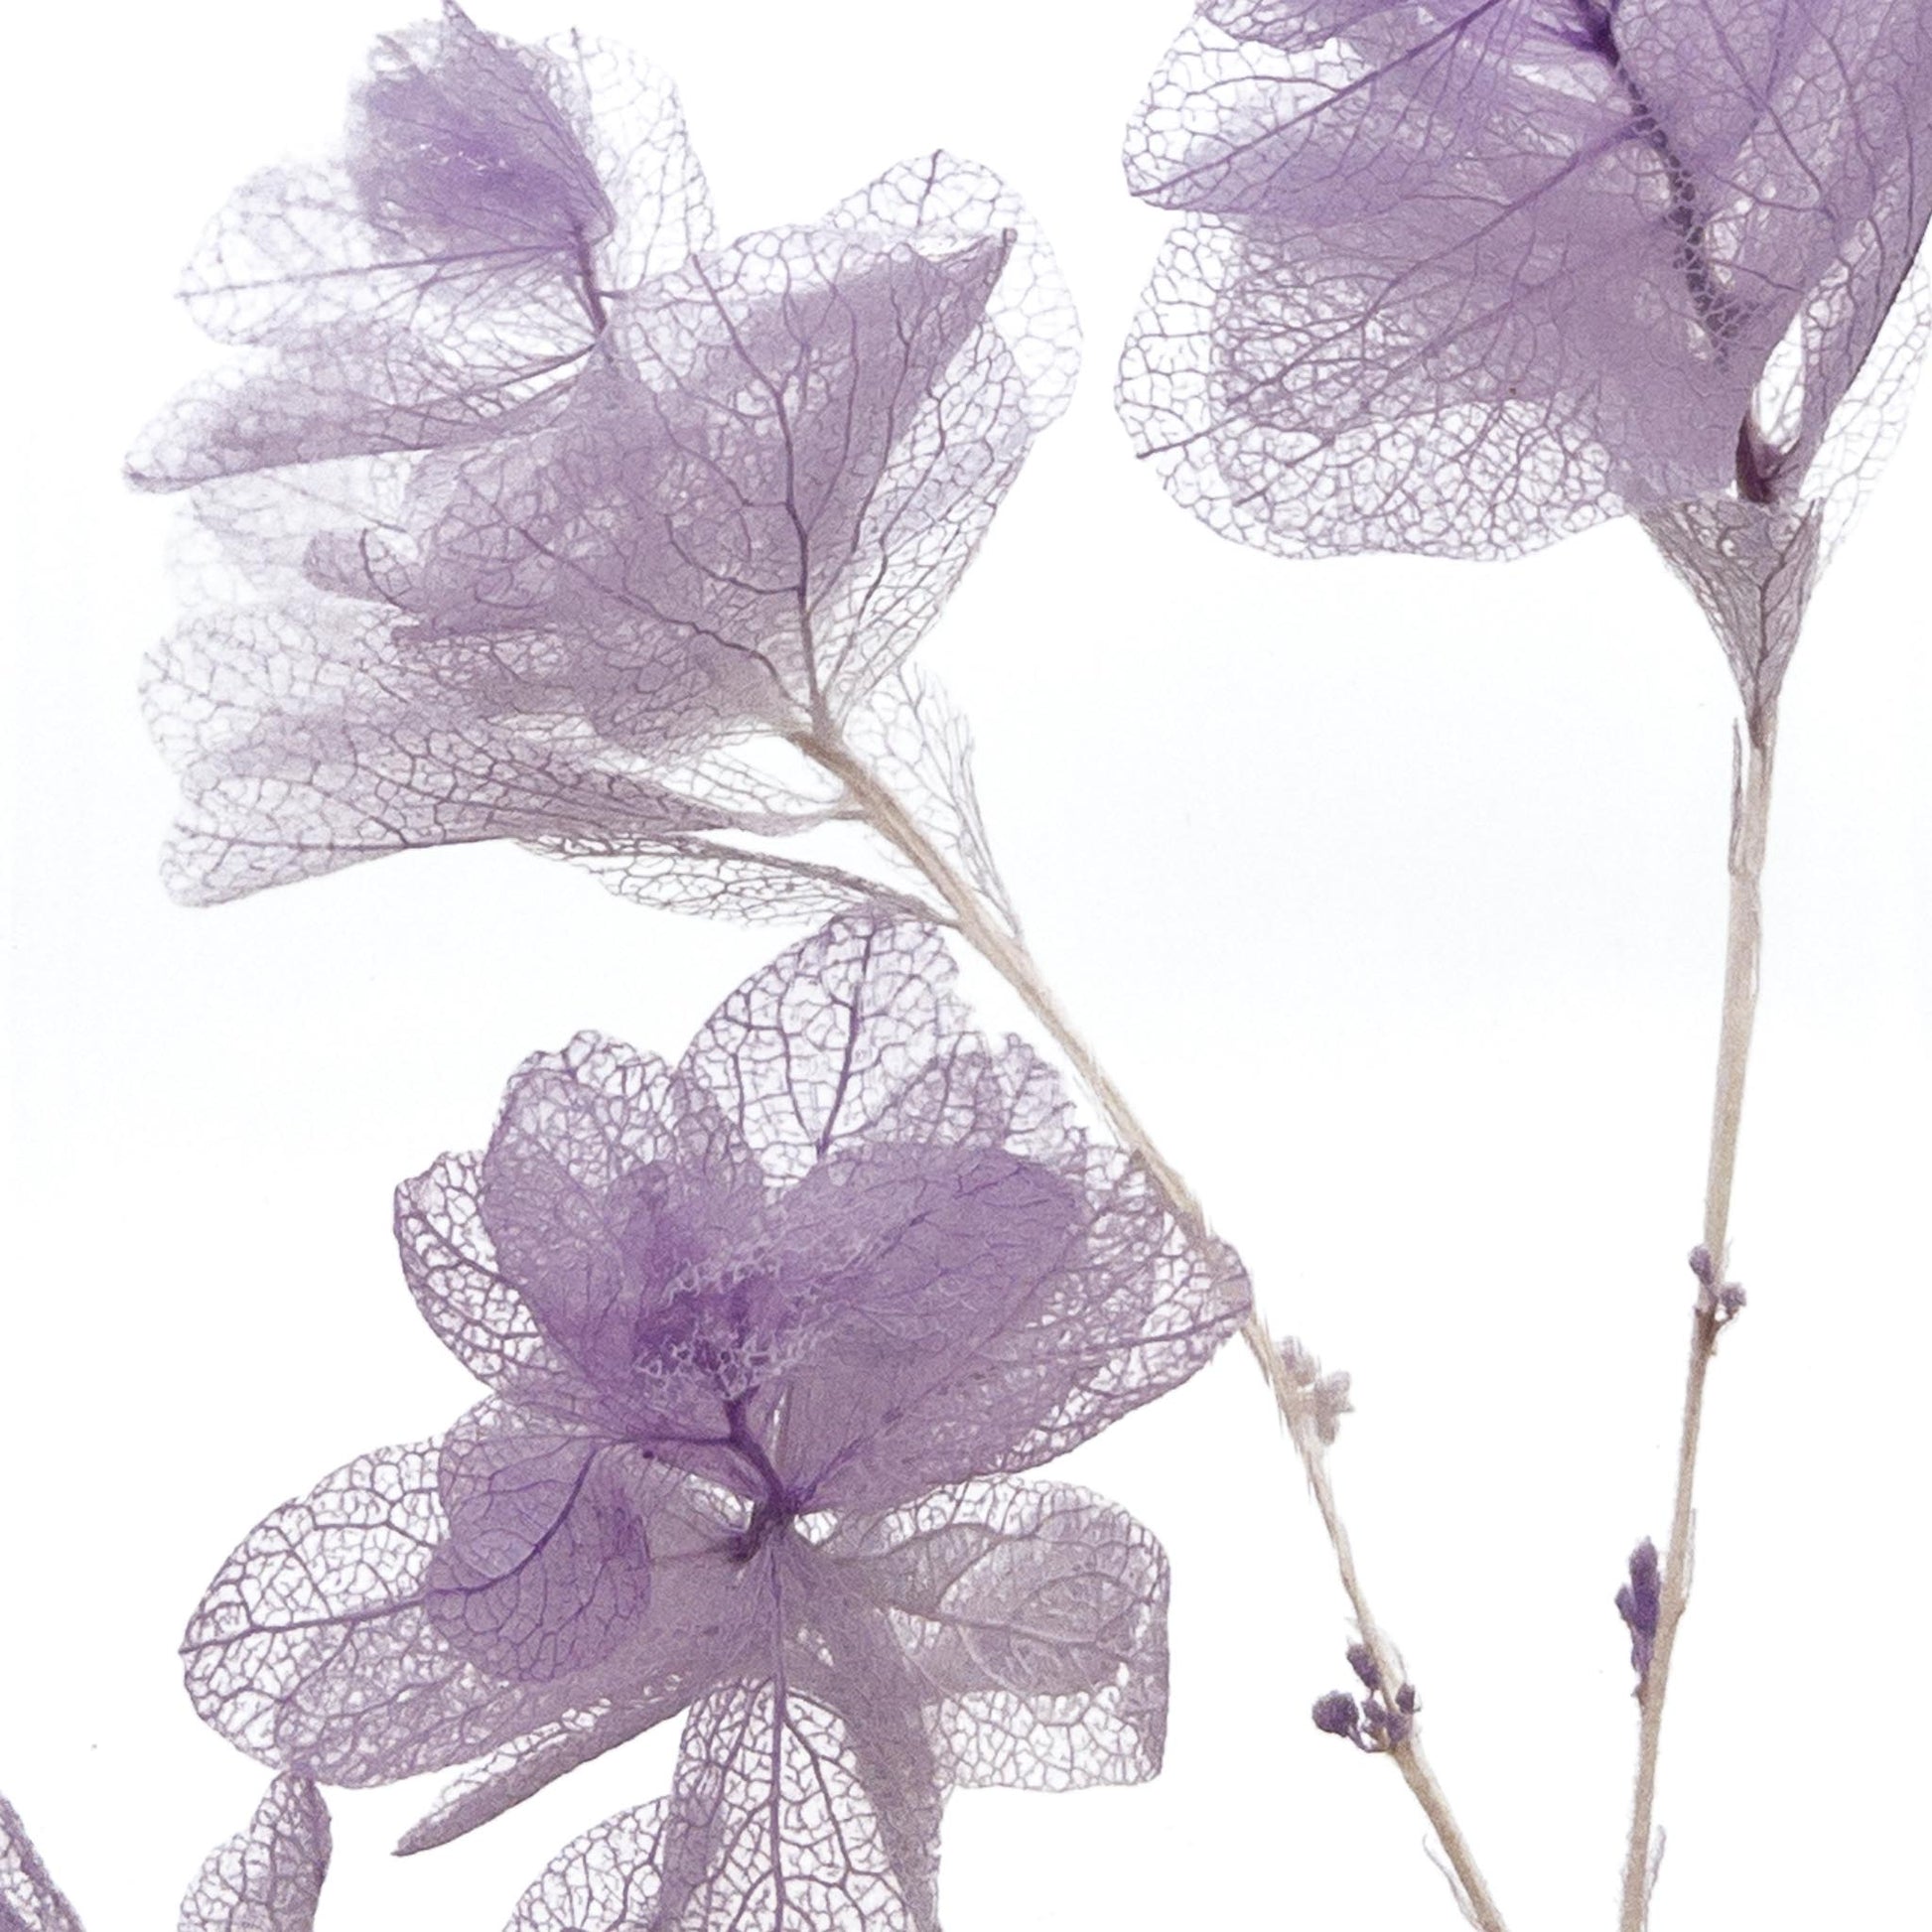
<point x="768" y="1334"/>
<point x="449" y="270"/>
<point x="715" y="879"/>
<point x="1462" y="277"/>
<point x="268" y="1876"/>
<point x="920" y="747"/>
<point x="531" y="502"/>
<point x="30" y="1901"/>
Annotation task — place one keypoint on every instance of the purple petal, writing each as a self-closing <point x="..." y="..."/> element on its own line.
<point x="452" y="271"/>
<point x="315" y="1648"/>
<point x="453" y="1270"/>
<point x="1462" y="278"/>
<point x="605" y="1193"/>
<point x="904" y="1268"/>
<point x="525" y="1765"/>
<point x="771" y="1817"/>
<point x="455" y="144"/>
<point x="1034" y="1618"/>
<point x="608" y="1879"/>
<point x="307" y="741"/>
<point x="939" y="194"/>
<point x="817" y="1048"/>
<point x="783" y="1813"/>
<point x="545" y="1568"/>
<point x="769" y="1823"/>
<point x="30" y="1901"/>
<point x="268" y="1876"/>
<point x="1042" y="1328"/>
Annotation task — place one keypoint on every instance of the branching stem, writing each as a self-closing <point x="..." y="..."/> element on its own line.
<point x="1008" y="954"/>
<point x="1749" y="826"/>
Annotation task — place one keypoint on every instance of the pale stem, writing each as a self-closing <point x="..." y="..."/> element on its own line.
<point x="1008" y="956"/>
<point x="1750" y="825"/>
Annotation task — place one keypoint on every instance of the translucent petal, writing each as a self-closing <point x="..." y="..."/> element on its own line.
<point x="268" y="1876"/>
<point x="30" y="1901"/>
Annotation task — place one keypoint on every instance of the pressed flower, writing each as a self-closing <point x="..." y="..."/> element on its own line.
<point x="532" y="506"/>
<point x="769" y="1335"/>
<point x="1461" y="278"/>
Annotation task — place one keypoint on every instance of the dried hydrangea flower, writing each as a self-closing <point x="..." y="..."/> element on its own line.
<point x="1462" y="278"/>
<point x="451" y="269"/>
<point x="768" y="1334"/>
<point x="536" y="506"/>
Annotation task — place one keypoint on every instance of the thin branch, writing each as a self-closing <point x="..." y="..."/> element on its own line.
<point x="1008" y="956"/>
<point x="1749" y="826"/>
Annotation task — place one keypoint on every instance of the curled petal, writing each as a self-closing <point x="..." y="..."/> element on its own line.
<point x="452" y="270"/>
<point x="1462" y="278"/>
<point x="457" y="142"/>
<point x="939" y="194"/>
<point x="1033" y="1617"/>
<point x="268" y="1876"/>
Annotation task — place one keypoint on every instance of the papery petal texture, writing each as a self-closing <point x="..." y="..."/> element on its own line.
<point x="450" y="270"/>
<point x="29" y="1900"/>
<point x="1033" y="1616"/>
<point x="317" y="1648"/>
<point x="766" y="1330"/>
<point x="268" y="1878"/>
<point x="528" y="505"/>
<point x="768" y="1824"/>
<point x="1460" y="279"/>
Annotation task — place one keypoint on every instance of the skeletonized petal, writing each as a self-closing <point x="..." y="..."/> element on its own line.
<point x="1033" y="1617"/>
<point x="450" y="270"/>
<point x="310" y="737"/>
<point x="769" y="1828"/>
<point x="268" y="1876"/>
<point x="316" y="1650"/>
<point x="546" y="1569"/>
<point x="1461" y="278"/>
<point x="30" y="1901"/>
<point x="817" y="1047"/>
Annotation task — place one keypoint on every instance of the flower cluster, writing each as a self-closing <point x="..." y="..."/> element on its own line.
<point x="1460" y="278"/>
<point x="529" y="504"/>
<point x="769" y="1336"/>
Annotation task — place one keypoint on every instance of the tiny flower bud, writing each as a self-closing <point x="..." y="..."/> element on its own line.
<point x="1640" y="1602"/>
<point x="1337" y="1714"/>
<point x="1405" y="1699"/>
<point x="1362" y="1660"/>
<point x="1701" y="1266"/>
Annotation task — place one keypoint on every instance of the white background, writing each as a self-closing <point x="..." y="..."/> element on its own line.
<point x="1394" y="894"/>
